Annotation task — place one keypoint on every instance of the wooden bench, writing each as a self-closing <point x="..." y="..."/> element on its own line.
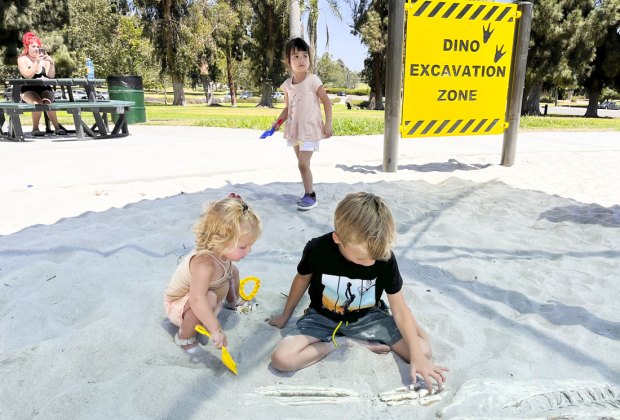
<point x="13" y="110"/>
<point x="99" y="109"/>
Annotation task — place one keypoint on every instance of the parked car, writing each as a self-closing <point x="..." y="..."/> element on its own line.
<point x="79" y="94"/>
<point x="341" y="93"/>
<point x="245" y="95"/>
<point x="608" y="105"/>
<point x="102" y="96"/>
<point x="277" y="95"/>
<point x="57" y="94"/>
<point x="8" y="93"/>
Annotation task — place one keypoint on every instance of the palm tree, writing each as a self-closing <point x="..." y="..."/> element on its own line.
<point x="313" y="20"/>
<point x="294" y="19"/>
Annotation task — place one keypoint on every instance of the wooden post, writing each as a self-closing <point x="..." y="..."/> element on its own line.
<point x="515" y="90"/>
<point x="393" y="101"/>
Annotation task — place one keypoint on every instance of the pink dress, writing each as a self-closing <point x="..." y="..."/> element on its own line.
<point x="304" y="121"/>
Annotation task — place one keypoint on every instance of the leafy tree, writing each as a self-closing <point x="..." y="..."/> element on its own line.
<point x="562" y="43"/>
<point x="370" y="21"/>
<point x="269" y="32"/>
<point x="605" y="68"/>
<point x="87" y="32"/>
<point x="14" y="21"/>
<point x="166" y="25"/>
<point x="122" y="7"/>
<point x="201" y="47"/>
<point x="313" y="21"/>
<point x="48" y="15"/>
<point x="231" y="38"/>
<point x="335" y="73"/>
<point x="132" y="52"/>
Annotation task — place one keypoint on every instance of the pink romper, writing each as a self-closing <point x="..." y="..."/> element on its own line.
<point x="304" y="121"/>
<point x="177" y="291"/>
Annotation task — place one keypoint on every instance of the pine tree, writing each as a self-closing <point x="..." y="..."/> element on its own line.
<point x="561" y="46"/>
<point x="605" y="68"/>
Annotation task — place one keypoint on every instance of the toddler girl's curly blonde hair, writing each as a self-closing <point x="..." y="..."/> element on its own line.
<point x="223" y="222"/>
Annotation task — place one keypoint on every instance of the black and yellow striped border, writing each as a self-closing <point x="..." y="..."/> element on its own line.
<point x="491" y="12"/>
<point x="453" y="127"/>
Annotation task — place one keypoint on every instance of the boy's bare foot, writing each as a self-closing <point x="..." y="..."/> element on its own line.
<point x="378" y="348"/>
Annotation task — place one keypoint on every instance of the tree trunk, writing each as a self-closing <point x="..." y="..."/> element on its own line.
<point x="313" y="16"/>
<point x="177" y="79"/>
<point x="593" y="97"/>
<point x="270" y="52"/>
<point x="294" y="19"/>
<point x="177" y="87"/>
<point x="231" y="81"/>
<point x="531" y="99"/>
<point x="266" y="96"/>
<point x="206" y="84"/>
<point x="376" y="70"/>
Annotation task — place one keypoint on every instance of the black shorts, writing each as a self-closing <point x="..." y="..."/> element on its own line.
<point x="37" y="89"/>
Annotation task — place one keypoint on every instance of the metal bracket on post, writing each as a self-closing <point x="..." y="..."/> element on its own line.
<point x="391" y="136"/>
<point x="515" y="90"/>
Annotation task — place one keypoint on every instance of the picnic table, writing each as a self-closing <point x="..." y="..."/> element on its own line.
<point x="99" y="108"/>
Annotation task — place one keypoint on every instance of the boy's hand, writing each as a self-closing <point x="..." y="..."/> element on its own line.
<point x="428" y="370"/>
<point x="277" y="320"/>
<point x="219" y="339"/>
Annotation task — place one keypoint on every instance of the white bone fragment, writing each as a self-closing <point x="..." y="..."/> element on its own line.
<point x="318" y="401"/>
<point x="309" y="391"/>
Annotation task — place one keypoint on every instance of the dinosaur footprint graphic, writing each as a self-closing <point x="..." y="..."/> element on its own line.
<point x="486" y="33"/>
<point x="499" y="53"/>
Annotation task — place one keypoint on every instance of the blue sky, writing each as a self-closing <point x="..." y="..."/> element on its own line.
<point x="342" y="44"/>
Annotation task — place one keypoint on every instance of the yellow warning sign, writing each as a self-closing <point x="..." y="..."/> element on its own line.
<point x="457" y="67"/>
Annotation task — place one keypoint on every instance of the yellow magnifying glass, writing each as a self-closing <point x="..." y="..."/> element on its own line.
<point x="254" y="291"/>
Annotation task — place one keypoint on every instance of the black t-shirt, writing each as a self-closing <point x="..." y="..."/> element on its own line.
<point x="340" y="289"/>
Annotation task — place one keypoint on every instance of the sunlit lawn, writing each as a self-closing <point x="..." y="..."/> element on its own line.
<point x="345" y="121"/>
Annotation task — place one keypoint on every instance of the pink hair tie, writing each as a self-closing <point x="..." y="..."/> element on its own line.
<point x="233" y="195"/>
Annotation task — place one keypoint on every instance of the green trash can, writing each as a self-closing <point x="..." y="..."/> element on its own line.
<point x="128" y="88"/>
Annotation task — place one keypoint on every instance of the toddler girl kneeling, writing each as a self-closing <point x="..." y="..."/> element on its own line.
<point x="206" y="276"/>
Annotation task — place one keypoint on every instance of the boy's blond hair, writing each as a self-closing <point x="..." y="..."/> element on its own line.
<point x="365" y="219"/>
<point x="223" y="222"/>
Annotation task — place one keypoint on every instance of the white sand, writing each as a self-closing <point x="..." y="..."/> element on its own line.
<point x="513" y="271"/>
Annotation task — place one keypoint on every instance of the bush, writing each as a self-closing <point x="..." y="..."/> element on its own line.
<point x="546" y="100"/>
<point x="250" y="100"/>
<point x="360" y="91"/>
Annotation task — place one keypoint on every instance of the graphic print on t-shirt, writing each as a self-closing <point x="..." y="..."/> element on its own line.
<point x="342" y="294"/>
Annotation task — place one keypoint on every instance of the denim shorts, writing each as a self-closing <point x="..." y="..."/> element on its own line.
<point x="376" y="326"/>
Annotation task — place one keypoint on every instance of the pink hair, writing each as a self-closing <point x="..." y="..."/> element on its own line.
<point x="30" y="38"/>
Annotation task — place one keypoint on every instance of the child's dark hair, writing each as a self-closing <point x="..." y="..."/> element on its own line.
<point x="296" y="44"/>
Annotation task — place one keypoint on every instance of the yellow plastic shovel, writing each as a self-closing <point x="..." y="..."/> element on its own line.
<point x="226" y="357"/>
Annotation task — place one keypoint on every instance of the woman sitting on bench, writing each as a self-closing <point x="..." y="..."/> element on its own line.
<point x="34" y="63"/>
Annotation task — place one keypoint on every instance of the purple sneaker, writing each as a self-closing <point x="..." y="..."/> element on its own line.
<point x="307" y="202"/>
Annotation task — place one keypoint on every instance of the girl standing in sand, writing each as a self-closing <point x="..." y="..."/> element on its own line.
<point x="304" y="127"/>
<point x="206" y="276"/>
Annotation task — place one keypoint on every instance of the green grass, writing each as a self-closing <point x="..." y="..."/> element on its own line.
<point x="345" y="122"/>
<point x="570" y="123"/>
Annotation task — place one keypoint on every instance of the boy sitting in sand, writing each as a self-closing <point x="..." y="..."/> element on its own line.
<point x="346" y="272"/>
<point x="206" y="276"/>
